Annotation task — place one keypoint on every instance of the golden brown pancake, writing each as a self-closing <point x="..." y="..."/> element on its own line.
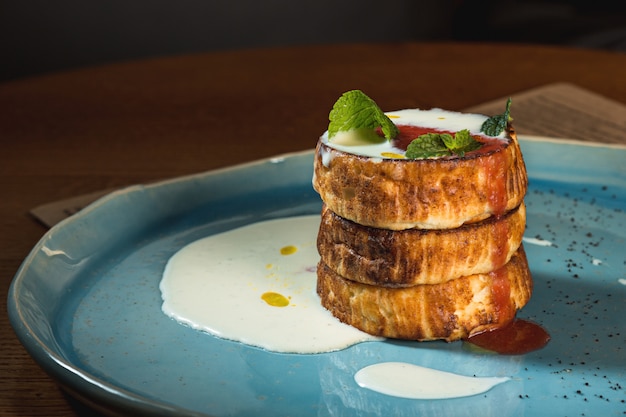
<point x="449" y="311"/>
<point x="440" y="193"/>
<point x="403" y="258"/>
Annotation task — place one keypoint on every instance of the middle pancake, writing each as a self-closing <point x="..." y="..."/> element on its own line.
<point x="411" y="257"/>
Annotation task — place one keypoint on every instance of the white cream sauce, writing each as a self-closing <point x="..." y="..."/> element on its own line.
<point x="352" y="141"/>
<point x="238" y="285"/>
<point x="406" y="380"/>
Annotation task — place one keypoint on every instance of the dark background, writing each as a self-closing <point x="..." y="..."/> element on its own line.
<point x="40" y="36"/>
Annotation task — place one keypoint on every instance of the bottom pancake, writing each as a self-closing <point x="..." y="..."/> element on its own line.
<point x="450" y="311"/>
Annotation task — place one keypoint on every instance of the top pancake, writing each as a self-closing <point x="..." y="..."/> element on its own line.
<point x="433" y="193"/>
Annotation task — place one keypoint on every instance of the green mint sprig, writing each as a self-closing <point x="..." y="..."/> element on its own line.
<point x="429" y="145"/>
<point x="462" y="142"/>
<point x="495" y="125"/>
<point x="355" y="110"/>
<point x="436" y="145"/>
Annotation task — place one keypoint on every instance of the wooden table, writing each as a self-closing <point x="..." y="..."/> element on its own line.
<point x="77" y="132"/>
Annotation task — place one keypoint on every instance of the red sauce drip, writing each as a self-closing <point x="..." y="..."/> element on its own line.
<point x="501" y="232"/>
<point x="407" y="133"/>
<point x="501" y="296"/>
<point x="516" y="338"/>
<point x="495" y="166"/>
<point x="489" y="145"/>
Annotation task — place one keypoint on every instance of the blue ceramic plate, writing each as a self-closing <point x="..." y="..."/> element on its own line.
<point x="86" y="303"/>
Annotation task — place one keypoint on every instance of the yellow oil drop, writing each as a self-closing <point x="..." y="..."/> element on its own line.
<point x="392" y="155"/>
<point x="393" y="116"/>
<point x="275" y="299"/>
<point x="288" y="250"/>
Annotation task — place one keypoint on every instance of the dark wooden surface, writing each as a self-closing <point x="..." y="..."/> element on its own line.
<point x="77" y="132"/>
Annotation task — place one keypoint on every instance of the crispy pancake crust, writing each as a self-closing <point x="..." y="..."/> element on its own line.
<point x="449" y="311"/>
<point x="439" y="193"/>
<point x="410" y="257"/>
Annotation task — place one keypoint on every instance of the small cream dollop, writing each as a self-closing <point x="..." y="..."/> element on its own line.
<point x="406" y="380"/>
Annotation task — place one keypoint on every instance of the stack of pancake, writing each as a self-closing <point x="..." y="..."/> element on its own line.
<point x="423" y="249"/>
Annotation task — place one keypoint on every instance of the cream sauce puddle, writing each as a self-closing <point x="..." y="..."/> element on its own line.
<point x="256" y="285"/>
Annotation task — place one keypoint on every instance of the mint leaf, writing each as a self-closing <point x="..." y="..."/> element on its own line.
<point x="495" y="125"/>
<point x="461" y="142"/>
<point x="429" y="145"/>
<point x="355" y="110"/>
<point x="435" y="145"/>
